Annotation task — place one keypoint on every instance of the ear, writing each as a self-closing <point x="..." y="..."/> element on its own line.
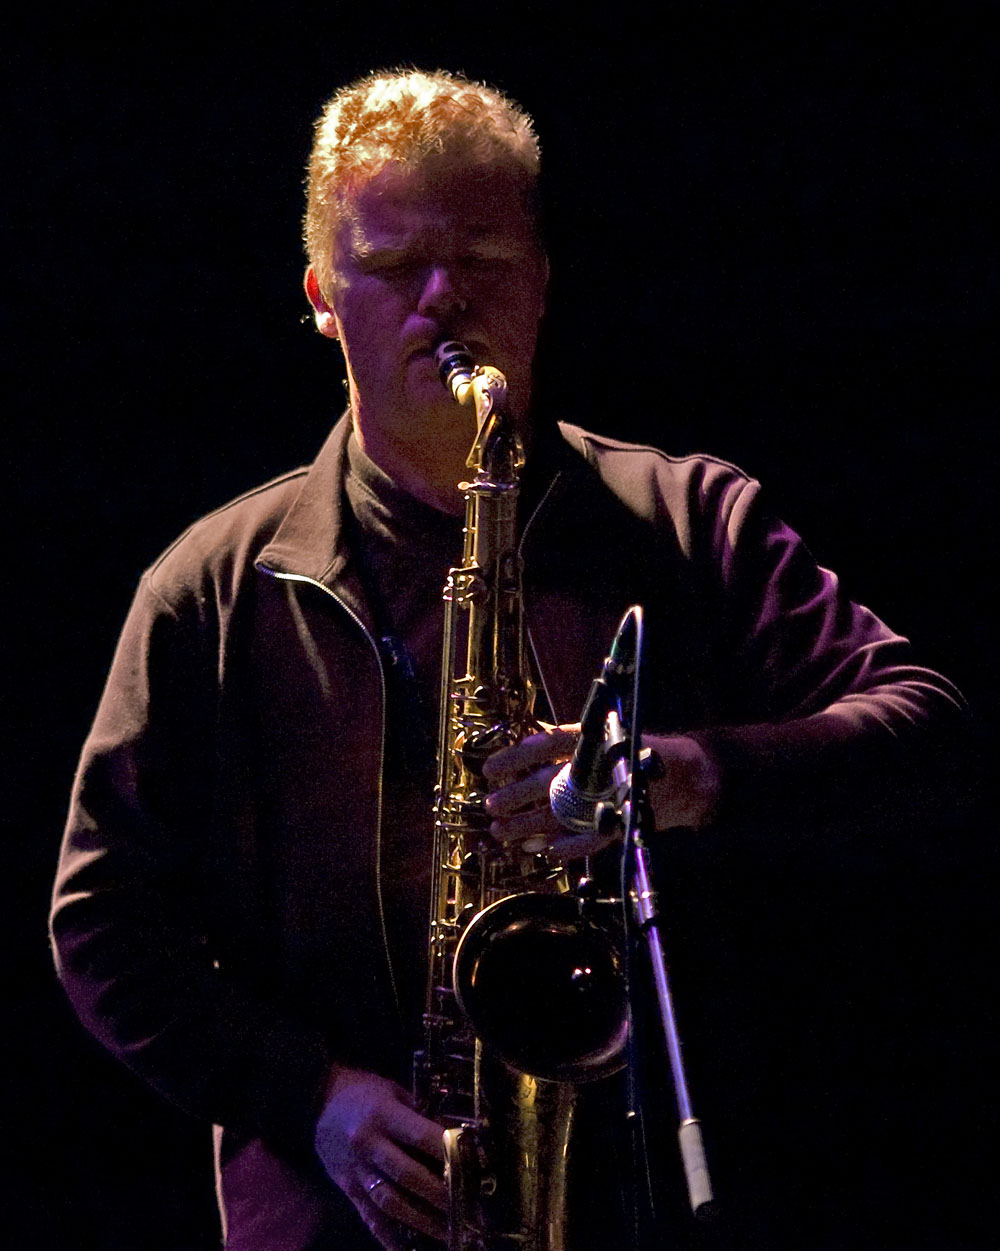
<point x="326" y="322"/>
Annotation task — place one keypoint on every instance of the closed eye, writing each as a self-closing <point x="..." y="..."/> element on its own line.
<point x="387" y="263"/>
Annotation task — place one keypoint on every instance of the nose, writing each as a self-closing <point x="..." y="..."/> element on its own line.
<point x="440" y="296"/>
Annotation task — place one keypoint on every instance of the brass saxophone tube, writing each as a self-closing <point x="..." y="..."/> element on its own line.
<point x="525" y="998"/>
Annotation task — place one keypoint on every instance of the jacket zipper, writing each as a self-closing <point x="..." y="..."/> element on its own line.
<point x="299" y="577"/>
<point x="303" y="578"/>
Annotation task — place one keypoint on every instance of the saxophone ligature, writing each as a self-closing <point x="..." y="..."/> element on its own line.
<point x="525" y="1001"/>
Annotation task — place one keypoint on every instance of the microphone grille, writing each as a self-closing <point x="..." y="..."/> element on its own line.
<point x="571" y="807"/>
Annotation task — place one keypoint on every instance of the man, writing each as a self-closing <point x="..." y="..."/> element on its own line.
<point x="240" y="911"/>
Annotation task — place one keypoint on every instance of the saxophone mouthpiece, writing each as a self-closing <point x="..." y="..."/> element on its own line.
<point x="456" y="367"/>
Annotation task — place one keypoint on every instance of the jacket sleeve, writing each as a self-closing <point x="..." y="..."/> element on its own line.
<point x="133" y="910"/>
<point x="835" y="713"/>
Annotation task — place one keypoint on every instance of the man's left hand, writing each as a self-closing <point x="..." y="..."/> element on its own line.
<point x="685" y="792"/>
<point x="519" y="777"/>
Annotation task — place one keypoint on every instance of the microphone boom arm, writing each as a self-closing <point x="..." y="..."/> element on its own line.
<point x="606" y="787"/>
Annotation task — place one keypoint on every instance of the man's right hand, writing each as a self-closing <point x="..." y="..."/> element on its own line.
<point x="384" y="1155"/>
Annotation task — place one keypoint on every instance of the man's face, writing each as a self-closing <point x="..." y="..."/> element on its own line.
<point x="439" y="252"/>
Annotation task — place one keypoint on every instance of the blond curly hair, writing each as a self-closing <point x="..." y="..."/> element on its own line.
<point x="405" y="117"/>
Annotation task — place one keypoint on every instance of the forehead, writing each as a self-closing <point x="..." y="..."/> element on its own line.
<point x="438" y="202"/>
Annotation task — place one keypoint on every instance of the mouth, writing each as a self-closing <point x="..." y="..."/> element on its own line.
<point x="423" y="353"/>
<point x="478" y="350"/>
<point x="422" y="360"/>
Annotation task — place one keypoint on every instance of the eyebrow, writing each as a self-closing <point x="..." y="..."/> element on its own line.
<point x="423" y="238"/>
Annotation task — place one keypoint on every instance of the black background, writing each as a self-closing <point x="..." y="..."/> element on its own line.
<point x="771" y="239"/>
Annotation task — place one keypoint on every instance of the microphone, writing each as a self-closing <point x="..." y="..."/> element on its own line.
<point x="586" y="782"/>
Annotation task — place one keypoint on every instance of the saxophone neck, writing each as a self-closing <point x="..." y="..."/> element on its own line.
<point x="497" y="453"/>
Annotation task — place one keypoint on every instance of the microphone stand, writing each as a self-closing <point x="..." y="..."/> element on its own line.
<point x="631" y="811"/>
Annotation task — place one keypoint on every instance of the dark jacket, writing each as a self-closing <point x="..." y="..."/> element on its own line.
<point x="217" y="916"/>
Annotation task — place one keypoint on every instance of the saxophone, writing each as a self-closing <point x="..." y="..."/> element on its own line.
<point x="525" y="996"/>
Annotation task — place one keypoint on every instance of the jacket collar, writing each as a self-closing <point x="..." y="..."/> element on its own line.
<point x="312" y="542"/>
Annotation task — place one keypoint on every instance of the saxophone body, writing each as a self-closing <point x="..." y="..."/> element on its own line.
<point x="525" y="1000"/>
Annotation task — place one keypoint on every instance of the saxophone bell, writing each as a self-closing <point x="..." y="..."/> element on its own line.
<point x="543" y="982"/>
